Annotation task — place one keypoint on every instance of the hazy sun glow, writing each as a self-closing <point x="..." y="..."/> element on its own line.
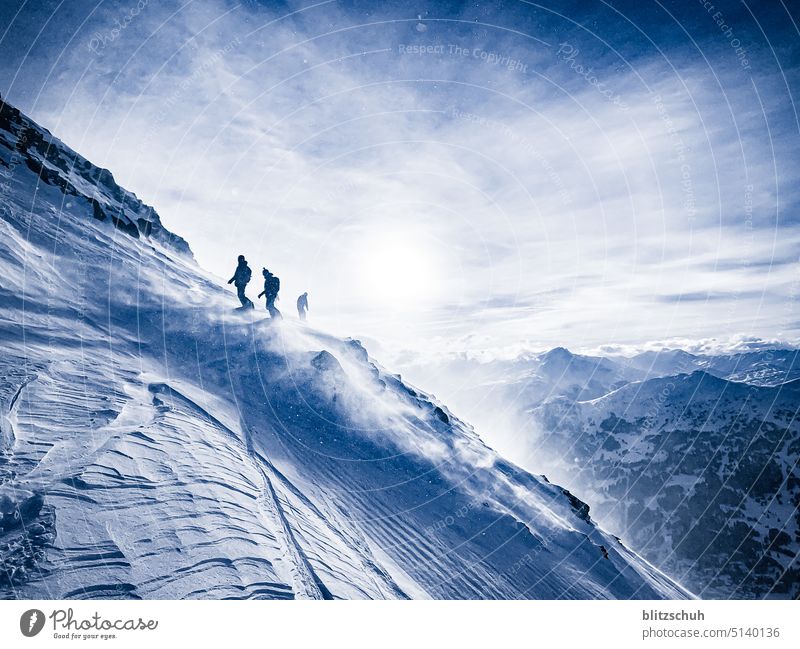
<point x="399" y="269"/>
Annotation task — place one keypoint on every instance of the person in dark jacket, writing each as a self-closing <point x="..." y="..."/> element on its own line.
<point x="302" y="306"/>
<point x="240" y="279"/>
<point x="271" y="287"/>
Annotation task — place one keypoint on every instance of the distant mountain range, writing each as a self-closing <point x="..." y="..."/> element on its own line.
<point x="692" y="460"/>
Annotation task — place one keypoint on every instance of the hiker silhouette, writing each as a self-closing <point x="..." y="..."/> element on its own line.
<point x="241" y="277"/>
<point x="271" y="287"/>
<point x="302" y="306"/>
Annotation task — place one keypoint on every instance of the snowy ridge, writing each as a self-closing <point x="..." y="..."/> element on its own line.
<point x="23" y="142"/>
<point x="156" y="445"/>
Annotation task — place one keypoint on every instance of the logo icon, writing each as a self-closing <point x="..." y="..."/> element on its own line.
<point x="31" y="622"/>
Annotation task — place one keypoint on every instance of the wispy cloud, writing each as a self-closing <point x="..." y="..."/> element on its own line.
<point x="587" y="194"/>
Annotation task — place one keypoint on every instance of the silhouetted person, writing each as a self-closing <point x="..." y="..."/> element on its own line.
<point x="240" y="279"/>
<point x="271" y="287"/>
<point x="302" y="306"/>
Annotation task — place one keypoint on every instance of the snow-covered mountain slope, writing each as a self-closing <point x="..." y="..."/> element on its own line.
<point x="78" y="184"/>
<point x="697" y="473"/>
<point x="155" y="444"/>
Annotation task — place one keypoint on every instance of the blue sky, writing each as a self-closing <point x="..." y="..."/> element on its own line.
<point x="451" y="176"/>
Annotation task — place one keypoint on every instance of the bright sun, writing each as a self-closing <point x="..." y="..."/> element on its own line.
<point x="399" y="269"/>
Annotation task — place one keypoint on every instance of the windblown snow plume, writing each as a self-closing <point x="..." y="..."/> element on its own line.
<point x="157" y="445"/>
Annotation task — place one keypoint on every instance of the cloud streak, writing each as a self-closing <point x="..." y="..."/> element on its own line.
<point x="569" y="198"/>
